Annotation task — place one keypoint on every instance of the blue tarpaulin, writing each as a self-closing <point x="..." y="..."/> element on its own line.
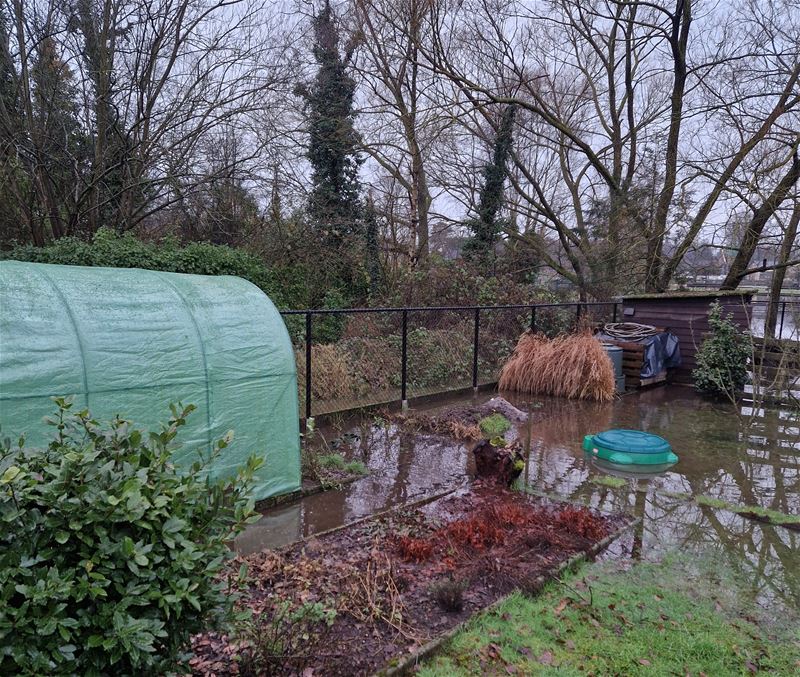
<point x="661" y="351"/>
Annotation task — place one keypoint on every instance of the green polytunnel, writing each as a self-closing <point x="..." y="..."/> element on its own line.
<point x="125" y="341"/>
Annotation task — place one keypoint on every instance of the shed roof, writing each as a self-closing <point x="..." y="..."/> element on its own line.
<point x="690" y="294"/>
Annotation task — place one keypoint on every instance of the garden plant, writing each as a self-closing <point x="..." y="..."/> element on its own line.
<point x="109" y="554"/>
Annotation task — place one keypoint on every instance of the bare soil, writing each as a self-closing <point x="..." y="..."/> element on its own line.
<point x="383" y="577"/>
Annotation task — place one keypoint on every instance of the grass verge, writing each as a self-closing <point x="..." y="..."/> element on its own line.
<point x="677" y="617"/>
<point x="339" y="462"/>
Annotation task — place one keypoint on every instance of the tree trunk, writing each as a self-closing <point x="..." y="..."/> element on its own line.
<point x="757" y="223"/>
<point x="681" y="21"/>
<point x="779" y="274"/>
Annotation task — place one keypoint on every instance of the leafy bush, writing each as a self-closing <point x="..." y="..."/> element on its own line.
<point x="109" y="555"/>
<point x="201" y="258"/>
<point x="722" y="358"/>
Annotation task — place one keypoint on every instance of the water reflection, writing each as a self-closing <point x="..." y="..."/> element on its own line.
<point x="759" y="465"/>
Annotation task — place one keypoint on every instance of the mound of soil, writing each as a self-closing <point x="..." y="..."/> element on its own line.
<point x="462" y="422"/>
<point x="471" y="415"/>
<point x="383" y="577"/>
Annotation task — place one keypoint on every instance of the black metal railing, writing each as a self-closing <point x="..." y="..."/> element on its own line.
<point x="484" y="324"/>
<point x="787" y="319"/>
<point x="579" y="310"/>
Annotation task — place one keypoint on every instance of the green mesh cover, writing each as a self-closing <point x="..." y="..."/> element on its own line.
<point x="129" y="342"/>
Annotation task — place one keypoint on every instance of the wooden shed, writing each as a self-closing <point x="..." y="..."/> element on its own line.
<point x="685" y="314"/>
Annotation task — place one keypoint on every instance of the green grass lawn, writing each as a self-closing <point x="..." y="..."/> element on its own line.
<point x="674" y="618"/>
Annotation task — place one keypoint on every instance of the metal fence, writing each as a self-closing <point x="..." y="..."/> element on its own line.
<point x="355" y="357"/>
<point x="415" y="351"/>
<point x="787" y="321"/>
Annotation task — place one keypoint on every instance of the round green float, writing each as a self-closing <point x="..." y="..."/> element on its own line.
<point x="629" y="447"/>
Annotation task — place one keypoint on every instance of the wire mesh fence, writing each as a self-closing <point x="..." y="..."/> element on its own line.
<point x="364" y="356"/>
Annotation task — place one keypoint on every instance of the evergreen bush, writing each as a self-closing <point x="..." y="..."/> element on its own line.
<point x="107" y="248"/>
<point x="722" y="358"/>
<point x="109" y="556"/>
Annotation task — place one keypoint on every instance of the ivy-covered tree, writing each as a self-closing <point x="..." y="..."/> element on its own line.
<point x="488" y="224"/>
<point x="13" y="178"/>
<point x="334" y="207"/>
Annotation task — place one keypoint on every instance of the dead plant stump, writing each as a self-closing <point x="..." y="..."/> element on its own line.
<point x="503" y="464"/>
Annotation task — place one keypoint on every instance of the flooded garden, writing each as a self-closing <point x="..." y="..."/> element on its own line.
<point x="739" y="470"/>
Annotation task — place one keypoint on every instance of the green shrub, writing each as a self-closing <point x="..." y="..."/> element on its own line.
<point x="722" y="358"/>
<point x="109" y="556"/>
<point x="107" y="248"/>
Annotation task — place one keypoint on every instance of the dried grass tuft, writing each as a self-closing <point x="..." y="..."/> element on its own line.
<point x="574" y="366"/>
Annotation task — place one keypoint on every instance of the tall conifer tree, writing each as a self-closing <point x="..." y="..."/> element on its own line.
<point x="334" y="207"/>
<point x="488" y="225"/>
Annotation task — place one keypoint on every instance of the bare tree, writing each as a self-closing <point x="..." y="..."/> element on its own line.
<point x="400" y="110"/>
<point x="154" y="79"/>
<point x="610" y="135"/>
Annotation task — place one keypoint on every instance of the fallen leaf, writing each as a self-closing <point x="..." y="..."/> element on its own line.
<point x="546" y="658"/>
<point x="644" y="661"/>
<point x="561" y="606"/>
<point x="570" y="645"/>
<point x="752" y="668"/>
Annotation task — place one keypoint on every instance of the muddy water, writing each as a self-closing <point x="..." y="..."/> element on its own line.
<point x="740" y="456"/>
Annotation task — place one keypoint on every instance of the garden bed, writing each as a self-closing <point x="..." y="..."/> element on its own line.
<point x="363" y="597"/>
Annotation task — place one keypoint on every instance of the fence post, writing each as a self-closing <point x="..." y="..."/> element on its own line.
<point x="404" y="363"/>
<point x="475" y="349"/>
<point x="783" y="315"/>
<point x="614" y="320"/>
<point x="309" y="417"/>
<point x="577" y="314"/>
<point x="533" y="318"/>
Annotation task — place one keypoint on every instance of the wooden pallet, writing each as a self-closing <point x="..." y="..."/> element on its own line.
<point x="632" y="362"/>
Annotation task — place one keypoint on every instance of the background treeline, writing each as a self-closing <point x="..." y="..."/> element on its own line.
<point x="341" y="153"/>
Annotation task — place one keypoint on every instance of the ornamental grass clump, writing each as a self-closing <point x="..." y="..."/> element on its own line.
<point x="574" y="366"/>
<point x="109" y="555"/>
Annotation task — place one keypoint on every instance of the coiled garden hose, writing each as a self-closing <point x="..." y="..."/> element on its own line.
<point x="630" y="331"/>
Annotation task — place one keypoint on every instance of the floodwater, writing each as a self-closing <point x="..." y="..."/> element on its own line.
<point x="738" y="455"/>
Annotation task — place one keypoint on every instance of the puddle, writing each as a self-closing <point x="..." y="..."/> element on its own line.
<point x="757" y="467"/>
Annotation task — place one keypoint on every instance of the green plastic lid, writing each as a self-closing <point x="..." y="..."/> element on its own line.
<point x="632" y="442"/>
<point x="630" y="448"/>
